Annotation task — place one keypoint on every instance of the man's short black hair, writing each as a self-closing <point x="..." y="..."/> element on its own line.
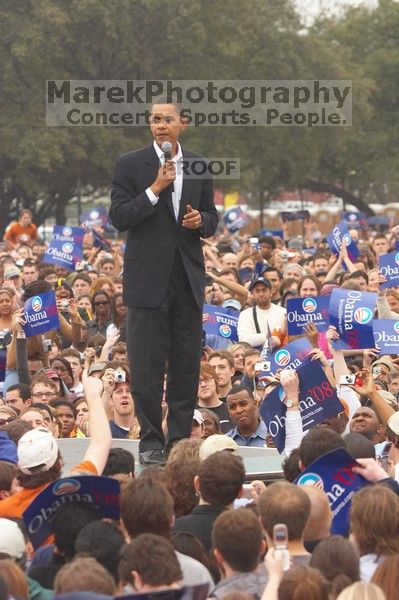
<point x="237" y="388"/>
<point x="271" y="269"/>
<point x="119" y="461"/>
<point x="23" y="388"/>
<point x="359" y="446"/>
<point x="268" y="239"/>
<point x="319" y="441"/>
<point x="103" y="541"/>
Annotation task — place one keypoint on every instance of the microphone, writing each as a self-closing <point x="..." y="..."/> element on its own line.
<point x="166" y="149"/>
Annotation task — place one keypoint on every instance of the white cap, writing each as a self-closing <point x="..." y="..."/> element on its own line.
<point x="37" y="447"/>
<point x="12" y="541"/>
<point x="217" y="443"/>
<point x="393" y="423"/>
<point x="198" y="416"/>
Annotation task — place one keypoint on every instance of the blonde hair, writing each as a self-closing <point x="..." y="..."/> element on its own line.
<point x="362" y="591"/>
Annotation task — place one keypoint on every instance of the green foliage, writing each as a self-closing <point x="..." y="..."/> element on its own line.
<point x="201" y="39"/>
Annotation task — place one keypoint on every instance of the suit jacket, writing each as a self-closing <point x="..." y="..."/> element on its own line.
<point x="154" y="235"/>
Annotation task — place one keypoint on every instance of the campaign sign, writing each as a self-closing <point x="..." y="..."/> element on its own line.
<point x="68" y="234"/>
<point x="41" y="314"/>
<point x="389" y="267"/>
<point x="292" y="356"/>
<point x="100" y="241"/>
<point x="295" y="215"/>
<point x="386" y="335"/>
<point x="235" y="218"/>
<point x="102" y="494"/>
<point x="246" y="274"/>
<point x="333" y="474"/>
<point x="63" y="254"/>
<point x="352" y="313"/>
<point x="318" y="401"/>
<point x="307" y="310"/>
<point x="219" y="321"/>
<point x="94" y="217"/>
<point x="273" y="232"/>
<point x="3" y="362"/>
<point x="354" y="217"/>
<point x="338" y="236"/>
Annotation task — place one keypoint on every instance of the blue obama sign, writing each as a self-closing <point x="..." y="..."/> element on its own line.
<point x="386" y="335"/>
<point x="339" y="235"/>
<point x="102" y="494"/>
<point x="352" y="313"/>
<point x="318" y="401"/>
<point x="291" y="356"/>
<point x="41" y="314"/>
<point x="95" y="217"/>
<point x="301" y="311"/>
<point x="68" y="234"/>
<point x="64" y="254"/>
<point x="235" y="218"/>
<point x="219" y="322"/>
<point x="333" y="474"/>
<point x="389" y="267"/>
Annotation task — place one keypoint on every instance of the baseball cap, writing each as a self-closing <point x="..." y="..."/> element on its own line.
<point x="257" y="280"/>
<point x="8" y="450"/>
<point x="232" y="303"/>
<point x="11" y="272"/>
<point x="12" y="541"/>
<point x="393" y="423"/>
<point x="37" y="448"/>
<point x="198" y="417"/>
<point x="389" y="398"/>
<point x="381" y="361"/>
<point x="217" y="443"/>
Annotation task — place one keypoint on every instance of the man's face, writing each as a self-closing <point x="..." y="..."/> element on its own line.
<point x="262" y="295"/>
<point x="380" y="246"/>
<point x="362" y="283"/>
<point x="229" y="261"/>
<point x="34" y="366"/>
<point x="364" y="421"/>
<point x="394" y="385"/>
<point x="320" y="265"/>
<point x="14" y="400"/>
<point x="30" y="274"/>
<point x="166" y="125"/>
<point x="51" y="278"/>
<point x="43" y="393"/>
<point x="242" y="409"/>
<point x="223" y="370"/>
<point x="275" y="280"/>
<point x="249" y="364"/>
<point x="35" y="418"/>
<point x="206" y="387"/>
<point x="266" y="250"/>
<point x="76" y="367"/>
<point x="80" y="287"/>
<point x="122" y="400"/>
<point x="107" y="269"/>
<point x="120" y="357"/>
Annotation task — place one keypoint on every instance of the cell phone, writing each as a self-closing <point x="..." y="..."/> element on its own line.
<point x="280" y="543"/>
<point x="350" y="380"/>
<point x="347" y="380"/>
<point x="254" y="241"/>
<point x="384" y="456"/>
<point x="64" y="303"/>
<point x="208" y="280"/>
<point x="376" y="372"/>
<point x="263" y="365"/>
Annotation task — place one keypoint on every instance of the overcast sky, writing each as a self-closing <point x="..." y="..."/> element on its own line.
<point x="309" y="9"/>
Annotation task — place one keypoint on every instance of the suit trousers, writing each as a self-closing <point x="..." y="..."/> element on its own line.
<point x="163" y="340"/>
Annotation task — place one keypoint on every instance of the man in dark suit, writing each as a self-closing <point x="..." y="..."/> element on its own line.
<point x="165" y="215"/>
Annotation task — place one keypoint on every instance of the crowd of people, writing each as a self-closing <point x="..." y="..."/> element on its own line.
<point x="194" y="521"/>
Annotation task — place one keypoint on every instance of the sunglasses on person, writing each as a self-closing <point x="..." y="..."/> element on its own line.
<point x="5" y="421"/>
<point x="101" y="303"/>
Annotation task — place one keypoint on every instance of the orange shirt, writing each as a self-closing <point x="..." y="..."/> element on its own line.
<point x="17" y="234"/>
<point x="15" y="506"/>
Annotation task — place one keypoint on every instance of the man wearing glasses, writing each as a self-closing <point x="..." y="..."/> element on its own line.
<point x="43" y="389"/>
<point x="165" y="213"/>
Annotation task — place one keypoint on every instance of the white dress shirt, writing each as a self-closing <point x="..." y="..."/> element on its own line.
<point x="178" y="182"/>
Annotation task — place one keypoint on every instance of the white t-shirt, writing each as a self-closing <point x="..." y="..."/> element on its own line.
<point x="275" y="317"/>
